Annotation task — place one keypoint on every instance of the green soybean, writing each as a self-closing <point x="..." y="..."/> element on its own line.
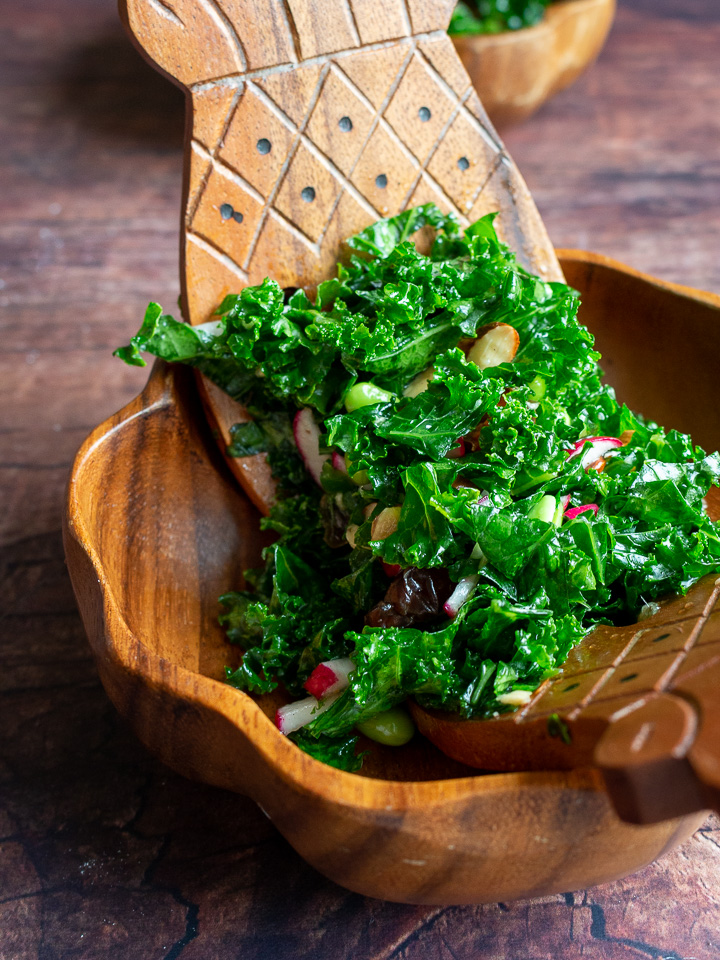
<point x="363" y="394"/>
<point x="392" y="728"/>
<point x="537" y="389"/>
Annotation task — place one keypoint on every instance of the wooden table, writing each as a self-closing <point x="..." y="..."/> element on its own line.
<point x="103" y="852"/>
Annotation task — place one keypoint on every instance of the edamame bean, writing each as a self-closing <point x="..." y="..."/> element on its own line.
<point x="392" y="727"/>
<point x="537" y="389"/>
<point x="363" y="394"/>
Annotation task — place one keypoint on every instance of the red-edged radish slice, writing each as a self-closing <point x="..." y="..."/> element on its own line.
<point x="419" y="384"/>
<point x="576" y="511"/>
<point x="392" y="570"/>
<point x="328" y="677"/>
<point x="338" y="461"/>
<point x="307" y="440"/>
<point x="295" y="715"/>
<point x="460" y="595"/>
<point x="496" y="343"/>
<point x="458" y="450"/>
<point x="599" y="447"/>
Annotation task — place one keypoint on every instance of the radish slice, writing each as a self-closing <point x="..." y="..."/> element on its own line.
<point x="295" y="715"/>
<point x="338" y="461"/>
<point x="392" y="570"/>
<point x="329" y="677"/>
<point x="458" y="450"/>
<point x="307" y="440"/>
<point x="460" y="595"/>
<point x="599" y="447"/>
<point x="576" y="511"/>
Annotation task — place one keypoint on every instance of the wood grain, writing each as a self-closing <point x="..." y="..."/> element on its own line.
<point x="110" y="851"/>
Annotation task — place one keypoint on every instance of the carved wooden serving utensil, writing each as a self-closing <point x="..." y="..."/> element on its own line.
<point x="307" y="121"/>
<point x="310" y="119"/>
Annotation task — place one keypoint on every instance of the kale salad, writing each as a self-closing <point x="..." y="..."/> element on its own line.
<point x="496" y="16"/>
<point x="460" y="498"/>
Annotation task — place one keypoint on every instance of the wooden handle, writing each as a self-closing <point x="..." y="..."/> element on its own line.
<point x="639" y="702"/>
<point x="313" y="118"/>
<point x="661" y="755"/>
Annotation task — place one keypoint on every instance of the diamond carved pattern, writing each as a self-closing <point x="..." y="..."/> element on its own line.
<point x="227" y="215"/>
<point x="420" y="108"/>
<point x="384" y="173"/>
<point x="462" y="162"/>
<point x="256" y="131"/>
<point x="340" y="122"/>
<point x="331" y="105"/>
<point x="308" y="193"/>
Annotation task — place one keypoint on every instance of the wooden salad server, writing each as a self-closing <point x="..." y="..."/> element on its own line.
<point x="308" y="120"/>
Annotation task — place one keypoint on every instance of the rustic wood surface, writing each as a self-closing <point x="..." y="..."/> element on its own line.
<point x="102" y="851"/>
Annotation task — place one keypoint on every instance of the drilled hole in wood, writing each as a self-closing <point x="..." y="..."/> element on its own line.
<point x="238" y="217"/>
<point x="226" y="211"/>
<point x="663" y="636"/>
<point x="630" y="676"/>
<point x="263" y="146"/>
<point x="345" y="124"/>
<point x="424" y="114"/>
<point x="308" y="194"/>
<point x="572" y="686"/>
<point x="381" y="181"/>
<point x="463" y="163"/>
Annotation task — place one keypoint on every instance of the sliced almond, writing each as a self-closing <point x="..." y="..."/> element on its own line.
<point x="419" y="384"/>
<point x="497" y="343"/>
<point x="385" y="523"/>
<point x="352" y="528"/>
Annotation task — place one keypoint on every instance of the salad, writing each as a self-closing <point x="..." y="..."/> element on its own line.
<point x="460" y="499"/>
<point x="496" y="16"/>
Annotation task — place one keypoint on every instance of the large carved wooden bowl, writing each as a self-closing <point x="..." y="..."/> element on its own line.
<point x="156" y="528"/>
<point x="517" y="71"/>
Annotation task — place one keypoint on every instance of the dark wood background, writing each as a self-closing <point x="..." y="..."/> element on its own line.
<point x="104" y="852"/>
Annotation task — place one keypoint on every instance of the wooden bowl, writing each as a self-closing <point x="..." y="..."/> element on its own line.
<point x="156" y="528"/>
<point x="517" y="71"/>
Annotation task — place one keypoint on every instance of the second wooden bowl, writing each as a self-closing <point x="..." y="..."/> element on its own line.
<point x="156" y="529"/>
<point x="517" y="71"/>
